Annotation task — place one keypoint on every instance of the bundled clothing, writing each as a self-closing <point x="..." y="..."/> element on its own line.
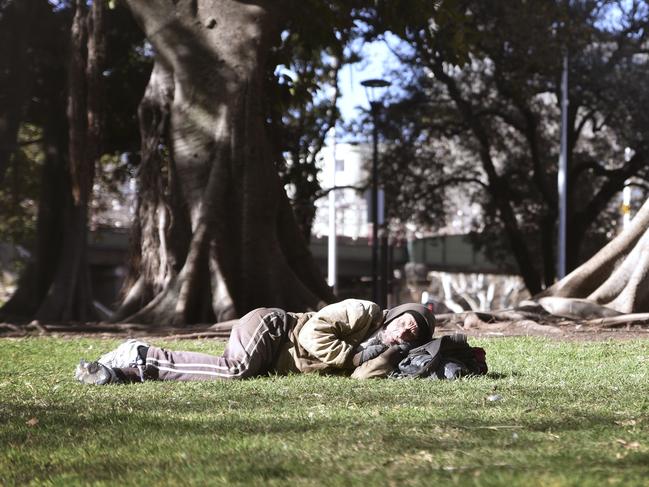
<point x="448" y="357"/>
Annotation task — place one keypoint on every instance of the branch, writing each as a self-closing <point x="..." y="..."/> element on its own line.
<point x="614" y="184"/>
<point x="404" y="60"/>
<point x="332" y="119"/>
<point x="505" y="117"/>
<point x="642" y="186"/>
<point x="615" y="321"/>
<point x="324" y="192"/>
<point x="581" y="167"/>
<point x="30" y="142"/>
<point x="460" y="180"/>
<point x="529" y="130"/>
<point x="580" y="126"/>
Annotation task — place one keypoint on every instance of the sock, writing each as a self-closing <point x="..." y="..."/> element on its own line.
<point x="141" y="352"/>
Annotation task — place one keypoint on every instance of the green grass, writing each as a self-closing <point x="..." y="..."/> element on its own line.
<point x="571" y="414"/>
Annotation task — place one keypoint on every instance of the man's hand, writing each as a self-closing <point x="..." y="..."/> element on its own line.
<point x="382" y="364"/>
<point x="369" y="353"/>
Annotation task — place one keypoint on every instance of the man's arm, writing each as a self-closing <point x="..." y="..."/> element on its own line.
<point x="332" y="334"/>
<point x="382" y="364"/>
<point x="368" y="353"/>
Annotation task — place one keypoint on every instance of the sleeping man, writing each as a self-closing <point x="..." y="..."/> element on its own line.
<point x="337" y="339"/>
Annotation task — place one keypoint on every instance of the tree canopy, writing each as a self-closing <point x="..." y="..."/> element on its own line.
<point x="217" y="107"/>
<point x="489" y="126"/>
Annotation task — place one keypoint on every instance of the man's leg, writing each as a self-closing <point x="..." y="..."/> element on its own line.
<point x="128" y="358"/>
<point x="255" y="342"/>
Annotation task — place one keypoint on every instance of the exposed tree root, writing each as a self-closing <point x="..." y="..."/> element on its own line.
<point x="616" y="277"/>
<point x="616" y="321"/>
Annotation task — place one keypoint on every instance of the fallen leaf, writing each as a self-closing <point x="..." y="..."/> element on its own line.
<point x="425" y="456"/>
<point x="626" y="422"/>
<point x="634" y="445"/>
<point x="32" y="422"/>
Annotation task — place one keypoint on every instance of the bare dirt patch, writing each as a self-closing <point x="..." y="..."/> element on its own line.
<point x="559" y="330"/>
<point x="575" y="332"/>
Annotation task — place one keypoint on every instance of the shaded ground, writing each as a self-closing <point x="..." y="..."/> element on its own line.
<point x="573" y="332"/>
<point x="557" y="329"/>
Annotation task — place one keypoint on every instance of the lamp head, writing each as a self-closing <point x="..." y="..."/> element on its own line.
<point x="374" y="88"/>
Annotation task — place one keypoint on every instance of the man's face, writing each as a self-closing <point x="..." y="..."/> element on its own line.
<point x="402" y="329"/>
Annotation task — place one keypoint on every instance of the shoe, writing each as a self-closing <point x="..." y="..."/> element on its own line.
<point x="126" y="355"/>
<point x="101" y="371"/>
<point x="95" y="373"/>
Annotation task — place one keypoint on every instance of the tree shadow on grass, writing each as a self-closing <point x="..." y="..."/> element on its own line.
<point x="56" y="422"/>
<point x="95" y="438"/>
<point x="502" y="375"/>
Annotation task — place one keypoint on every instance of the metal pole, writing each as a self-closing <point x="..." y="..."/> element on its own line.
<point x="375" y="204"/>
<point x="626" y="194"/>
<point x="371" y="90"/>
<point x="626" y="205"/>
<point x="563" y="171"/>
<point x="383" y="238"/>
<point x="390" y="298"/>
<point x="331" y="247"/>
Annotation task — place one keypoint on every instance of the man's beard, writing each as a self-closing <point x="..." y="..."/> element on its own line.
<point x="384" y="338"/>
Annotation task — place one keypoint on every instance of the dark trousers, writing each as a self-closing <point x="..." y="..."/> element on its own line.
<point x="252" y="350"/>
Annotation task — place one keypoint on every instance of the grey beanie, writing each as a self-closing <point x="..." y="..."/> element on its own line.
<point x="423" y="316"/>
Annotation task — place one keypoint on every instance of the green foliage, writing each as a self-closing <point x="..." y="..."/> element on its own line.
<point x="19" y="196"/>
<point x="303" y="94"/>
<point x="128" y="66"/>
<point x="486" y="125"/>
<point x="125" y="73"/>
<point x="306" y="93"/>
<point x="449" y="21"/>
<point x="113" y="201"/>
<point x="304" y="89"/>
<point x="570" y="414"/>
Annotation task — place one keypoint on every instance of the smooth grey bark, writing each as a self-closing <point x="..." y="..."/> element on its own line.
<point x="236" y="243"/>
<point x="618" y="275"/>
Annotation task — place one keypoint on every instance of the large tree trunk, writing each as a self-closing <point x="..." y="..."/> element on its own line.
<point x="16" y="76"/>
<point x="216" y="236"/>
<point x="618" y="275"/>
<point x="70" y="293"/>
<point x="54" y="198"/>
<point x="56" y="284"/>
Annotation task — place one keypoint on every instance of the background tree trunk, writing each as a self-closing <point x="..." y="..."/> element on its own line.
<point x="216" y="235"/>
<point x="56" y="284"/>
<point x="70" y="294"/>
<point x="618" y="275"/>
<point x="54" y="198"/>
<point x="16" y="78"/>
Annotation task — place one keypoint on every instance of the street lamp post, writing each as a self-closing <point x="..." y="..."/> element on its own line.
<point x="562" y="183"/>
<point x="373" y="88"/>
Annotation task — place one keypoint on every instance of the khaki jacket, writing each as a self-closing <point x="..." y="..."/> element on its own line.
<point x="325" y="341"/>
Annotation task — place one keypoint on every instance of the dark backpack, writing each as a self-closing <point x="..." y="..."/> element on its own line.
<point x="447" y="357"/>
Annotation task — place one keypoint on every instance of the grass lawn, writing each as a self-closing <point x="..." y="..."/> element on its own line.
<point x="571" y="413"/>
